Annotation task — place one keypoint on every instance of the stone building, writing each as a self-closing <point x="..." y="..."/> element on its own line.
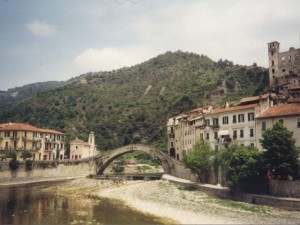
<point x="43" y="144"/>
<point x="80" y="149"/>
<point x="284" y="72"/>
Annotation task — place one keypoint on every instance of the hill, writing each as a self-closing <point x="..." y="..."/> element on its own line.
<point x="131" y="105"/>
<point x="13" y="96"/>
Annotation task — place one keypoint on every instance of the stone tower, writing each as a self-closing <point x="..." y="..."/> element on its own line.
<point x="92" y="140"/>
<point x="273" y="50"/>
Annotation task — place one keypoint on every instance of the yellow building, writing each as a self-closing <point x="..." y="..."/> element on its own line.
<point x="44" y="144"/>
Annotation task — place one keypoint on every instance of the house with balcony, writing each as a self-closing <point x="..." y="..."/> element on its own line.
<point x="21" y="136"/>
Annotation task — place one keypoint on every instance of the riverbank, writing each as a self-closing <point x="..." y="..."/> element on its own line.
<point x="178" y="204"/>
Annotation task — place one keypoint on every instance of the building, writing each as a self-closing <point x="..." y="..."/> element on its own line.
<point x="44" y="144"/>
<point x="245" y="122"/>
<point x="287" y="114"/>
<point x="80" y="149"/>
<point x="284" y="72"/>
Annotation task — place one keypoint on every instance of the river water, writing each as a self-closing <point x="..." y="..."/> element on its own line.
<point x="31" y="204"/>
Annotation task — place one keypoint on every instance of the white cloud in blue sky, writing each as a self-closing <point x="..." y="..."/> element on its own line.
<point x="41" y="28"/>
<point x="59" y="39"/>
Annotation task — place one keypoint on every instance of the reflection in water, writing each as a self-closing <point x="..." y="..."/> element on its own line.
<point x="31" y="205"/>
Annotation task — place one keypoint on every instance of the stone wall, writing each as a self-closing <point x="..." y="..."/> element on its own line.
<point x="46" y="170"/>
<point x="285" y="188"/>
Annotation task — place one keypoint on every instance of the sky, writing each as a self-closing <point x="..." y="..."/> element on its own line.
<point x="46" y="40"/>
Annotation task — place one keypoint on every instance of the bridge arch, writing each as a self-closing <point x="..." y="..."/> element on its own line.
<point x="164" y="160"/>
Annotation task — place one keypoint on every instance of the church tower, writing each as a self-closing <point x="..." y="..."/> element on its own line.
<point x="273" y="50"/>
<point x="92" y="140"/>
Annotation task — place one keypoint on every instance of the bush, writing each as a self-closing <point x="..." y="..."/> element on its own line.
<point x="117" y="168"/>
<point x="11" y="155"/>
<point x="28" y="164"/>
<point x="14" y="164"/>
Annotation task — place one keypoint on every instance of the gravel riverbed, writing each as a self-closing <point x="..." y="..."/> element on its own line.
<point x="177" y="204"/>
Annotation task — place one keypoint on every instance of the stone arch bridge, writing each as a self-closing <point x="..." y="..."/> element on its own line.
<point x="169" y="165"/>
<point x="43" y="170"/>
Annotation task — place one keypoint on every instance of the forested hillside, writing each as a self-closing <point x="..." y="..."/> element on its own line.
<point x="131" y="105"/>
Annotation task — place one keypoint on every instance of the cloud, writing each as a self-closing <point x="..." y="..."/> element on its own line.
<point x="109" y="58"/>
<point x="41" y="28"/>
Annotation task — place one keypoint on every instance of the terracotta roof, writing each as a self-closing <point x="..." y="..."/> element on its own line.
<point x="281" y="110"/>
<point x="294" y="87"/>
<point x="25" y="127"/>
<point x="49" y="131"/>
<point x="254" y="98"/>
<point x="196" y="110"/>
<point x="18" y="127"/>
<point x="233" y="108"/>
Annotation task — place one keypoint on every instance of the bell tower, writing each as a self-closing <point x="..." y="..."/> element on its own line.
<point x="92" y="140"/>
<point x="273" y="51"/>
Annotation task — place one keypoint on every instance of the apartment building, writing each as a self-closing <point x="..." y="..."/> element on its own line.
<point x="44" y="144"/>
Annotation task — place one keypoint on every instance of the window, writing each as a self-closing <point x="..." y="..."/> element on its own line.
<point x="172" y="130"/>
<point x="273" y="71"/>
<point x="172" y="144"/>
<point x="251" y="132"/>
<point x="215" y="121"/>
<point x="207" y="136"/>
<point x="272" y="62"/>
<point x="201" y="137"/>
<point x="225" y="120"/>
<point x="6" y="134"/>
<point x="252" y="145"/>
<point x="216" y="135"/>
<point x="263" y="126"/>
<point x="280" y="121"/>
<point x="241" y="118"/>
<point x="298" y="122"/>
<point x="207" y="122"/>
<point x="250" y="116"/>
<point x="241" y="133"/>
<point x="234" y="134"/>
<point x="234" y="119"/>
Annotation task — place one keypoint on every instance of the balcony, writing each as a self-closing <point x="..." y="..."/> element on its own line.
<point x="215" y="126"/>
<point x="171" y="135"/>
<point x="37" y="139"/>
<point x="27" y="139"/>
<point x="224" y="140"/>
<point x="15" y="138"/>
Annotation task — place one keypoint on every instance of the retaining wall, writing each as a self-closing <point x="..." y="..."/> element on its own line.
<point x="285" y="188"/>
<point x="45" y="170"/>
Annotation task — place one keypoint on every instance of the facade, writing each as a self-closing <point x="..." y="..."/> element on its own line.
<point x="44" y="144"/>
<point x="80" y="149"/>
<point x="287" y="114"/>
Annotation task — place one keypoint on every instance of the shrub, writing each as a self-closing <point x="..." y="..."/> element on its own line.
<point x="14" y="164"/>
<point x="28" y="164"/>
<point x="118" y="168"/>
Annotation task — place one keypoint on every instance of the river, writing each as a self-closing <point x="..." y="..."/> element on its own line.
<point x="35" y="204"/>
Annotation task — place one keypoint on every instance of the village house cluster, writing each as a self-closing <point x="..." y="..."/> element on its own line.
<point x="244" y="122"/>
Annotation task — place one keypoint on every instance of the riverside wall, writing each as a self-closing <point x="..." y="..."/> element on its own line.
<point x="46" y="170"/>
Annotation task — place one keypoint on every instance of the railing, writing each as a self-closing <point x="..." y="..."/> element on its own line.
<point x="37" y="139"/>
<point x="225" y="140"/>
<point x="215" y="126"/>
<point x="15" y="138"/>
<point x="171" y="135"/>
<point x="27" y="139"/>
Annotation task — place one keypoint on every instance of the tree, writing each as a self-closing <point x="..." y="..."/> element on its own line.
<point x="199" y="159"/>
<point x="281" y="155"/>
<point x="26" y="154"/>
<point x="246" y="170"/>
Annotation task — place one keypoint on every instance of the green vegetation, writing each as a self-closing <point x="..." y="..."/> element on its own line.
<point x="281" y="156"/>
<point x="117" y="108"/>
<point x="246" y="170"/>
<point x="28" y="164"/>
<point x="11" y="155"/>
<point x="14" y="164"/>
<point x="26" y="154"/>
<point x="118" y="168"/>
<point x="199" y="159"/>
